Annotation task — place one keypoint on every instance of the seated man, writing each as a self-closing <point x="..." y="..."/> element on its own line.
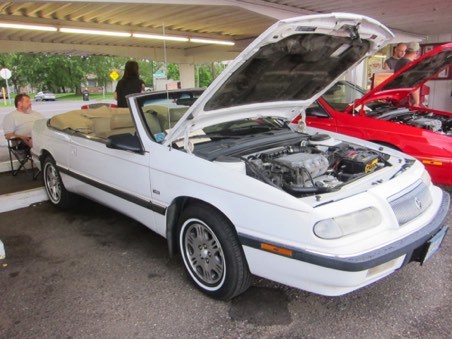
<point x="18" y="124"/>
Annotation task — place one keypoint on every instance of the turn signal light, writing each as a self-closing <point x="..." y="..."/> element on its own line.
<point x="277" y="250"/>
<point x="432" y="162"/>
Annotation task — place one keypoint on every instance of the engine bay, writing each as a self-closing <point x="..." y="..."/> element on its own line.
<point x="426" y="120"/>
<point x="317" y="165"/>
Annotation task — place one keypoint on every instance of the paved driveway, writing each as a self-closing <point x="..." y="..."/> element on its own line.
<point x="93" y="273"/>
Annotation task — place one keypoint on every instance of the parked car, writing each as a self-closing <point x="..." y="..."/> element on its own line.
<point x="238" y="192"/>
<point x="384" y="115"/>
<point x="45" y="96"/>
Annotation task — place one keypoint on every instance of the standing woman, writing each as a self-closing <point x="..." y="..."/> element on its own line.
<point x="130" y="83"/>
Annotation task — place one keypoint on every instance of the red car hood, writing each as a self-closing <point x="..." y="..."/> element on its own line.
<point x="411" y="77"/>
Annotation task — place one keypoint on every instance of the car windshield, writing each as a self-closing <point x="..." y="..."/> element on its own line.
<point x="212" y="141"/>
<point x="162" y="110"/>
<point x="161" y="116"/>
<point x="244" y="127"/>
<point x="342" y="94"/>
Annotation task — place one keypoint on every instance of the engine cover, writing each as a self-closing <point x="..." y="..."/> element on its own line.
<point x="315" y="164"/>
<point x="434" y="125"/>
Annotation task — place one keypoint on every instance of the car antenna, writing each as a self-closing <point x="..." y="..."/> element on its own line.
<point x="165" y="62"/>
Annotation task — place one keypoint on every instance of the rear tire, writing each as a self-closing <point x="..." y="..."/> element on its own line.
<point x="212" y="253"/>
<point x="57" y="193"/>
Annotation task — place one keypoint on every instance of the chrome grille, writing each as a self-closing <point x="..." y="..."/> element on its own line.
<point x="411" y="202"/>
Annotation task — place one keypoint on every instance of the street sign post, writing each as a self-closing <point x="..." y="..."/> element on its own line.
<point x="5" y="73"/>
<point x="114" y="76"/>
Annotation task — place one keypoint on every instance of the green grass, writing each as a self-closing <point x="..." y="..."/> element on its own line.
<point x="92" y="96"/>
<point x="6" y="104"/>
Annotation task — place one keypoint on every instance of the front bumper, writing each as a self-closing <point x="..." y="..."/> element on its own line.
<point x="338" y="275"/>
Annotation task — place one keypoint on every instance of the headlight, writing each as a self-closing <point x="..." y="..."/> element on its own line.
<point x="343" y="225"/>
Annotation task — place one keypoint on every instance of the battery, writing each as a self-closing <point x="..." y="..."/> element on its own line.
<point x="358" y="162"/>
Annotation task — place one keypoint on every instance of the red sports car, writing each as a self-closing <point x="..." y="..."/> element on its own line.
<point x="384" y="115"/>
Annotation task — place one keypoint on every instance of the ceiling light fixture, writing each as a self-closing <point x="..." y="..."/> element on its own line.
<point x="30" y="27"/>
<point x="160" y="37"/>
<point x="210" y="41"/>
<point x="116" y="34"/>
<point x="94" y="32"/>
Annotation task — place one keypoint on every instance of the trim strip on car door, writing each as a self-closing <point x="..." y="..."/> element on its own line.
<point x="121" y="194"/>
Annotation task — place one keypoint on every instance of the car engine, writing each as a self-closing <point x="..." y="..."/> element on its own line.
<point x="430" y="121"/>
<point x="315" y="166"/>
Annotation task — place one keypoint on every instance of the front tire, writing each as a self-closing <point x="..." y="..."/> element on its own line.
<point x="57" y="193"/>
<point x="212" y="254"/>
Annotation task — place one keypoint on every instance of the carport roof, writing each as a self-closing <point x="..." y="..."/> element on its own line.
<point x="238" y="21"/>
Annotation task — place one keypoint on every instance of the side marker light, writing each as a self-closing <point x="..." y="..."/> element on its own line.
<point x="432" y="162"/>
<point x="277" y="250"/>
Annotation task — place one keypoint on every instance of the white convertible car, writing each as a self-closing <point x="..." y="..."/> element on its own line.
<point x="239" y="191"/>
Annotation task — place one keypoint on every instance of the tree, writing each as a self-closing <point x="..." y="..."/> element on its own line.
<point x="16" y="63"/>
<point x="102" y="66"/>
<point x="147" y="71"/>
<point x="44" y="72"/>
<point x="206" y="73"/>
<point x="63" y="71"/>
<point x="203" y="75"/>
<point x="60" y="73"/>
<point x="173" y="71"/>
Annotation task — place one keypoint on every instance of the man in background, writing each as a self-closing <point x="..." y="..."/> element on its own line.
<point x="19" y="123"/>
<point x="410" y="55"/>
<point x="399" y="52"/>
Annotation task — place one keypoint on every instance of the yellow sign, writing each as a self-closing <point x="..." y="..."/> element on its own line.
<point x="114" y="75"/>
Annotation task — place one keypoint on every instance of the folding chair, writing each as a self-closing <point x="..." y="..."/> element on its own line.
<point x="21" y="152"/>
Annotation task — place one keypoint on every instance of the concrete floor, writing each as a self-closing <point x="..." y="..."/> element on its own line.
<point x="21" y="182"/>
<point x="93" y="273"/>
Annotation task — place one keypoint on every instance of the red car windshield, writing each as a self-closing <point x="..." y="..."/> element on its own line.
<point x="342" y="94"/>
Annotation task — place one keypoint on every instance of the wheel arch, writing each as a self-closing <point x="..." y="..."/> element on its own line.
<point x="174" y="212"/>
<point x="44" y="154"/>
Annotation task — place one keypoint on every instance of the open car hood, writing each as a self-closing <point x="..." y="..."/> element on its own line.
<point x="411" y="77"/>
<point x="285" y="69"/>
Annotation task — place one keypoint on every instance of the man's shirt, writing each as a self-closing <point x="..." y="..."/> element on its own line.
<point x="401" y="63"/>
<point x="20" y="123"/>
<point x="391" y="62"/>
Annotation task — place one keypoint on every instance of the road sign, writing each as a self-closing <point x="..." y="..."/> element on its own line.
<point x="5" y="73"/>
<point x="114" y="75"/>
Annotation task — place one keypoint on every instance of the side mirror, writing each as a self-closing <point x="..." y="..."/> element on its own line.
<point x="125" y="142"/>
<point x="317" y="112"/>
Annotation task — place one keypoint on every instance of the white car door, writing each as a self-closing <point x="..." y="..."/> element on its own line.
<point x="116" y="178"/>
